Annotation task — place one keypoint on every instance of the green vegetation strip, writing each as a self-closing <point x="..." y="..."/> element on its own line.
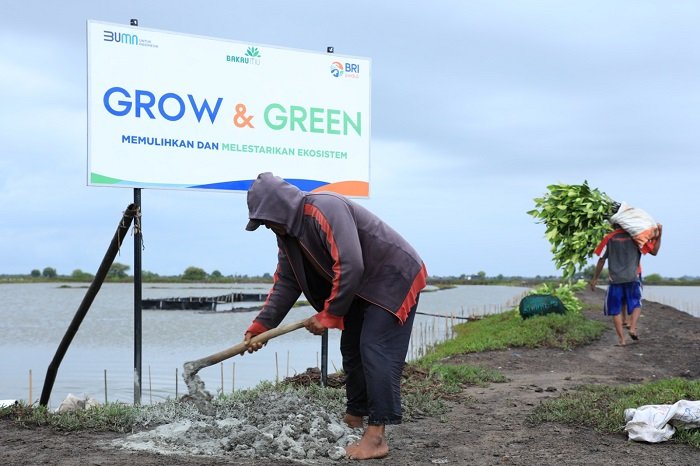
<point x="602" y="407"/>
<point x="508" y="330"/>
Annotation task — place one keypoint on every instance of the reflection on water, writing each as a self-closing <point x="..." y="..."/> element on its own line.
<point x="35" y="317"/>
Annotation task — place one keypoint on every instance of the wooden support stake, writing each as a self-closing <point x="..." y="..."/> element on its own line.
<point x="221" y="366"/>
<point x="105" y="387"/>
<point x="29" y="402"/>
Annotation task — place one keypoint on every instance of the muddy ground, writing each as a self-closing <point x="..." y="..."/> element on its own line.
<point x="490" y="429"/>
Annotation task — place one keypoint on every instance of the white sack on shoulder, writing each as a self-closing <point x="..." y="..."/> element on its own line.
<point x="658" y="423"/>
<point x="639" y="224"/>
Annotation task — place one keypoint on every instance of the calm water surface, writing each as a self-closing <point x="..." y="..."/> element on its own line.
<point x="35" y="317"/>
<point x="684" y="298"/>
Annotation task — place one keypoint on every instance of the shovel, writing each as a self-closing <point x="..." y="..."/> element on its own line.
<point x="195" y="386"/>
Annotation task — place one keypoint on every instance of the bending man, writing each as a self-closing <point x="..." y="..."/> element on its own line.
<point x="360" y="276"/>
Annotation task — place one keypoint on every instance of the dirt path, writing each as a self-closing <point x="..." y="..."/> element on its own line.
<point x="488" y="430"/>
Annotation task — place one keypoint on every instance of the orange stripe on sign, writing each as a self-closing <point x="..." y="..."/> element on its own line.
<point x="314" y="212"/>
<point x="346" y="188"/>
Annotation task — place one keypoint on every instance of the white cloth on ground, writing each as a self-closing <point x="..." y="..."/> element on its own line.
<point x="658" y="423"/>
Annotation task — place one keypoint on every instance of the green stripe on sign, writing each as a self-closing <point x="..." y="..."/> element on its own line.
<point x="101" y="179"/>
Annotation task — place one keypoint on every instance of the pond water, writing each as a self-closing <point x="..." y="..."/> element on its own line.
<point x="684" y="298"/>
<point x="100" y="360"/>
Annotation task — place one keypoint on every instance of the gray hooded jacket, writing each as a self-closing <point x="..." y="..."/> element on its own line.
<point x="334" y="250"/>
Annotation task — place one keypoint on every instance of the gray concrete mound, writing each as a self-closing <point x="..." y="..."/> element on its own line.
<point x="279" y="422"/>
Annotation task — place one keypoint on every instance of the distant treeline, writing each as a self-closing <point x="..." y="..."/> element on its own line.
<point x="119" y="273"/>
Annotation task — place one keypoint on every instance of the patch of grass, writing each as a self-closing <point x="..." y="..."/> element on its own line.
<point x="455" y="377"/>
<point x="424" y="392"/>
<point x="602" y="407"/>
<point x="115" y="417"/>
<point x="508" y="329"/>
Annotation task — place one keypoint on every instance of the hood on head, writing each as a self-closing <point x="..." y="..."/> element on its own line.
<point x="270" y="198"/>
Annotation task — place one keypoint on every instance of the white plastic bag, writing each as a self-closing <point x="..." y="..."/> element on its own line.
<point x="639" y="224"/>
<point x="658" y="423"/>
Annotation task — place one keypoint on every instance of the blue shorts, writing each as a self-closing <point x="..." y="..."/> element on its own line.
<point x="619" y="293"/>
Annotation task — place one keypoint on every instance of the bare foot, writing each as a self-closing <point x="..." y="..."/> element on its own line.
<point x="353" y="421"/>
<point x="371" y="445"/>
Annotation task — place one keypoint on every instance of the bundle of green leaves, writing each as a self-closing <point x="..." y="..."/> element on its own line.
<point x="566" y="292"/>
<point x="576" y="219"/>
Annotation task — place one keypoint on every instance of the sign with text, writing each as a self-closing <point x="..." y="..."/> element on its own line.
<point x="175" y="111"/>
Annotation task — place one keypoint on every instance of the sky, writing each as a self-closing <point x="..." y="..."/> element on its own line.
<point x="476" y="107"/>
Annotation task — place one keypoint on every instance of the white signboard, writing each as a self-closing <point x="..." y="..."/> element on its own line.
<point x="176" y="111"/>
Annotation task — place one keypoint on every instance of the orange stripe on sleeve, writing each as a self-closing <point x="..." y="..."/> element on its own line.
<point x="326" y="228"/>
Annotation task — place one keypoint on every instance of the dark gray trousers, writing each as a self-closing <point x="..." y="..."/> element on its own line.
<point x="374" y="346"/>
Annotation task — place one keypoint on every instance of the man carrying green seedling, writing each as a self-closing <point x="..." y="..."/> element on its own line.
<point x="625" y="284"/>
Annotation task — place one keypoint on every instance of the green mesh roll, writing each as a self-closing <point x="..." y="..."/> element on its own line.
<point x="540" y="304"/>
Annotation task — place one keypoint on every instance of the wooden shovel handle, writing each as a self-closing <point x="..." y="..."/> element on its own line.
<point x="240" y="348"/>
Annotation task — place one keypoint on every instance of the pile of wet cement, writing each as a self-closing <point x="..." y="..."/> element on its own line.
<point x="298" y="423"/>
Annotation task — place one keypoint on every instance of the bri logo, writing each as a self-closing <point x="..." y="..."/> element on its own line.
<point x="337" y="69"/>
<point x="345" y="70"/>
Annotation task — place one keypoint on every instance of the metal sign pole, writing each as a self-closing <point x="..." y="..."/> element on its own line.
<point x="324" y="337"/>
<point x="138" y="246"/>
<point x="138" y="243"/>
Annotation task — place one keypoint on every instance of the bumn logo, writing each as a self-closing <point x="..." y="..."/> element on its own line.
<point x="121" y="37"/>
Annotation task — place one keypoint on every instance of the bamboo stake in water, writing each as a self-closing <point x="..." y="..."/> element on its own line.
<point x="233" y="378"/>
<point x="150" y="388"/>
<point x="277" y="370"/>
<point x="287" y="373"/>
<point x="222" y="377"/>
<point x="176" y="383"/>
<point x="30" y="388"/>
<point x="105" y="386"/>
